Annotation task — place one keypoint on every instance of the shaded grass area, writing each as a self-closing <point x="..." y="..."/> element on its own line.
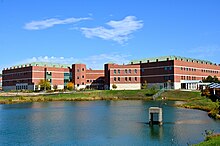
<point x="213" y="140"/>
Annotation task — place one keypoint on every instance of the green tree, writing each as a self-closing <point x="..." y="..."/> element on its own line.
<point x="45" y="85"/>
<point x="144" y="85"/>
<point x="114" y="86"/>
<point x="211" y="79"/>
<point x="70" y="86"/>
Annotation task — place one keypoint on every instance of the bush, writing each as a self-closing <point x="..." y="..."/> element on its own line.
<point x="114" y="86"/>
<point x="70" y="86"/>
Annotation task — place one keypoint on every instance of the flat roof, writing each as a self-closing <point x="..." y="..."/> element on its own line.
<point x="172" y="57"/>
<point x="48" y="64"/>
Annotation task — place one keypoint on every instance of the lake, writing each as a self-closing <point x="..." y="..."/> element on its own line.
<point x="101" y="123"/>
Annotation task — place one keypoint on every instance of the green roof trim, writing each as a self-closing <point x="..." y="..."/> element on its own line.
<point x="47" y="64"/>
<point x="172" y="57"/>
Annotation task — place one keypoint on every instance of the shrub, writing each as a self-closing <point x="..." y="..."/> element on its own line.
<point x="114" y="86"/>
<point x="70" y="86"/>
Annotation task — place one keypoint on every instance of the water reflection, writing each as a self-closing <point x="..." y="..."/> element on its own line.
<point x="100" y="123"/>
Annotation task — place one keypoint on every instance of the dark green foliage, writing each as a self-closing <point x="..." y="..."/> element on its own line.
<point x="114" y="86"/>
<point x="211" y="79"/>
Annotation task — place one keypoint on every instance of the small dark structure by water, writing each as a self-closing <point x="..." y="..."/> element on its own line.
<point x="155" y="116"/>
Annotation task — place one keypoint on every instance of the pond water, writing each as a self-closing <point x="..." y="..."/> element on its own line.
<point x="100" y="123"/>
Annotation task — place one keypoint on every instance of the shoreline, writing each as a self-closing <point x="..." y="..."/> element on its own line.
<point x="191" y="100"/>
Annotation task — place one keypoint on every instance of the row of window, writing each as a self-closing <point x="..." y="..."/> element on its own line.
<point x="203" y="70"/>
<point x="125" y="71"/>
<point x="187" y="69"/>
<point x="210" y="71"/>
<point x="188" y="78"/>
<point x="79" y="77"/>
<point x="22" y="87"/>
<point x="78" y="70"/>
<point x="20" y="81"/>
<point x="16" y="74"/>
<point x="168" y="78"/>
<point x="168" y="68"/>
<point x="126" y="79"/>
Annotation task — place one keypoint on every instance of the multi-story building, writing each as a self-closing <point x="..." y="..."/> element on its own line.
<point x="171" y="72"/>
<point x="176" y="72"/>
<point x="28" y="76"/>
<point x="125" y="77"/>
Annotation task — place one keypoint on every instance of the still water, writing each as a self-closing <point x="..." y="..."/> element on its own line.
<point x="100" y="123"/>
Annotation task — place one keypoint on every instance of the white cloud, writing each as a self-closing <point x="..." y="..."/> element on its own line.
<point x="43" y="24"/>
<point x="120" y="30"/>
<point x="94" y="62"/>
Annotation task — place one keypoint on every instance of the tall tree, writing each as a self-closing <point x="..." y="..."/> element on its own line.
<point x="211" y="79"/>
<point x="44" y="84"/>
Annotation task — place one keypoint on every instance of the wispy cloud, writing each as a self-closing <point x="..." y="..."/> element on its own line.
<point x="207" y="51"/>
<point x="120" y="30"/>
<point x="94" y="62"/>
<point x="43" y="24"/>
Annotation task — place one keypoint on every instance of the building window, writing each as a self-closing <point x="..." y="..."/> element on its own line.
<point x="181" y="68"/>
<point x="87" y="80"/>
<point x="90" y="80"/>
<point x="170" y="67"/>
<point x="126" y="71"/>
<point x="135" y="71"/>
<point x="119" y="71"/>
<point x="114" y="71"/>
<point x="165" y="68"/>
<point x="77" y="70"/>
<point x="129" y="78"/>
<point x="82" y="69"/>
<point x="135" y="78"/>
<point x="82" y="76"/>
<point x="77" y="85"/>
<point x="119" y="79"/>
<point x="142" y="70"/>
<point x="129" y="71"/>
<point x="114" y="78"/>
<point x="82" y="83"/>
<point x="77" y="77"/>
<point x="126" y="79"/>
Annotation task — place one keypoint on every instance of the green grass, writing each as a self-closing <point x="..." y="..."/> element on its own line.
<point x="193" y="100"/>
<point x="106" y="94"/>
<point x="182" y="95"/>
<point x="213" y="140"/>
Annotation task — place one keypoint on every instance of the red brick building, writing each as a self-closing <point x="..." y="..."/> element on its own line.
<point x="28" y="76"/>
<point x="176" y="72"/>
<point x="171" y="72"/>
<point x="125" y="77"/>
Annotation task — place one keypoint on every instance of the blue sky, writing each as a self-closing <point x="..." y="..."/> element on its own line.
<point x="95" y="32"/>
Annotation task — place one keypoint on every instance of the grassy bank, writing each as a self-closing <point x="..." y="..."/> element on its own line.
<point x="194" y="100"/>
<point x="85" y="95"/>
<point x="213" y="140"/>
